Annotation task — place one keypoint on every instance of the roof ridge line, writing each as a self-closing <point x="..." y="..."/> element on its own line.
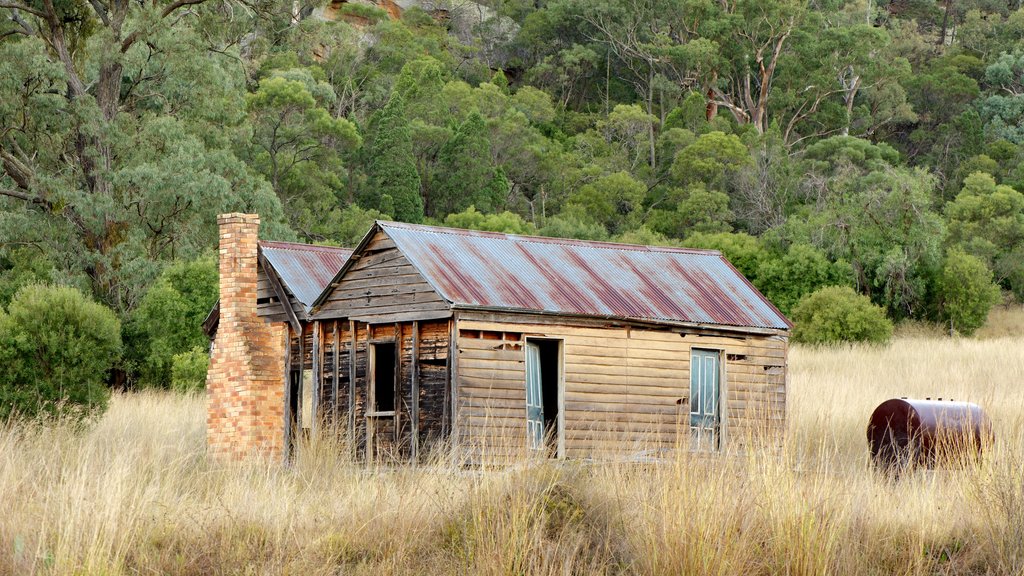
<point x="282" y="245"/>
<point x="528" y="238"/>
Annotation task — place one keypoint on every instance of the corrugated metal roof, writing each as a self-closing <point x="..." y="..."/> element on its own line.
<point x="304" y="269"/>
<point x="555" y="275"/>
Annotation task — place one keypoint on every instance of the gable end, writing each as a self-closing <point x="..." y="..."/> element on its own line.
<point x="379" y="283"/>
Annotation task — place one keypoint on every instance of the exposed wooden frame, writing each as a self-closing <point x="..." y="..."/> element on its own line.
<point x="453" y="376"/>
<point x="414" y="409"/>
<point x="352" y="388"/>
<point x="302" y="379"/>
<point x="396" y="385"/>
<point x="288" y="432"/>
<point x="370" y="400"/>
<point x="334" y="383"/>
<point x="316" y="359"/>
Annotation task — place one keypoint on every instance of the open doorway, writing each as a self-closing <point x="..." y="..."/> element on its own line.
<point x="543" y="393"/>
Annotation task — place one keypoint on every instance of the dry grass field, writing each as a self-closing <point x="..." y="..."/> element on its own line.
<point x="135" y="494"/>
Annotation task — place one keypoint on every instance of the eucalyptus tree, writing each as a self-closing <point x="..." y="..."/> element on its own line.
<point x="116" y="122"/>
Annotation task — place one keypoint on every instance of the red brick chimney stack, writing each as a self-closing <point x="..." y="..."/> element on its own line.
<point x="245" y="382"/>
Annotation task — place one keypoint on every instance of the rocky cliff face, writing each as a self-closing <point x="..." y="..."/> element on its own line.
<point x="471" y="22"/>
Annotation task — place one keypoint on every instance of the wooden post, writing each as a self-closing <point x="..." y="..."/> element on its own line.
<point x="414" y="415"/>
<point x="317" y="367"/>
<point x="334" y="383"/>
<point x="397" y="390"/>
<point x="446" y="428"/>
<point x="302" y="380"/>
<point x="352" y="388"/>
<point x="287" y="393"/>
<point x="371" y="397"/>
<point x="453" y="359"/>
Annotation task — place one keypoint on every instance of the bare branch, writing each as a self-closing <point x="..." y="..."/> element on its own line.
<point x="101" y="10"/>
<point x="22" y="7"/>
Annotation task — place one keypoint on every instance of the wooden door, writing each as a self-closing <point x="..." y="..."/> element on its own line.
<point x="534" y="398"/>
<point x="705" y="395"/>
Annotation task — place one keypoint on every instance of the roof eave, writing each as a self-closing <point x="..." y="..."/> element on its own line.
<point x="767" y="331"/>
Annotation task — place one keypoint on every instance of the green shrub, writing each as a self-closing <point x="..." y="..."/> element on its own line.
<point x="188" y="370"/>
<point x="838" y="314"/>
<point x="506" y="222"/>
<point x="169" y="319"/>
<point x="56" y="348"/>
<point x="967" y="291"/>
<point x="800" y="271"/>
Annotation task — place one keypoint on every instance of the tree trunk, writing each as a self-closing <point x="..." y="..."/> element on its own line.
<point x="650" y="111"/>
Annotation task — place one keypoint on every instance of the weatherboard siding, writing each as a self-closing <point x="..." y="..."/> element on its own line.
<point x="621" y="386"/>
<point x="381" y="283"/>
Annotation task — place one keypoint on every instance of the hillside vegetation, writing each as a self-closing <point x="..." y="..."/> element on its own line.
<point x="870" y="144"/>
<point x="135" y="494"/>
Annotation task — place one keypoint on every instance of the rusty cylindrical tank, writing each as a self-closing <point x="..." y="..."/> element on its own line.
<point x="905" y="432"/>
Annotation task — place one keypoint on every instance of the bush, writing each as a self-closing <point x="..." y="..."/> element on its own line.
<point x="838" y="314"/>
<point x="56" y="348"/>
<point x="967" y="291"/>
<point x="506" y="222"/>
<point x="188" y="370"/>
<point x="800" y="271"/>
<point x="169" y="319"/>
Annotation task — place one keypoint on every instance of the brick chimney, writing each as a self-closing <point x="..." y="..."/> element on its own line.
<point x="245" y="382"/>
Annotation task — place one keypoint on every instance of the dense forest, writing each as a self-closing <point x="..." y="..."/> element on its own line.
<point x="869" y="144"/>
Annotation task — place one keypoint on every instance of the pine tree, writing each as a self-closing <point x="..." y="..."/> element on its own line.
<point x="392" y="166"/>
<point x="464" y="170"/>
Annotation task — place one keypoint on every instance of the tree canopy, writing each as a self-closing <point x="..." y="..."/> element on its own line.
<point x="851" y="143"/>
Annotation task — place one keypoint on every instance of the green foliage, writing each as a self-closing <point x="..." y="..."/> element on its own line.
<point x="801" y="270"/>
<point x="354" y="223"/>
<point x="188" y="370"/>
<point x="21" y="267"/>
<point x="836" y="314"/>
<point x="699" y="210"/>
<point x="710" y="159"/>
<point x="744" y="251"/>
<point x="371" y="13"/>
<point x="967" y="291"/>
<point x="1003" y="109"/>
<point x="572" y="223"/>
<point x="464" y="176"/>
<point x="298" y="146"/>
<point x="612" y="201"/>
<point x="57" y="347"/>
<point x="840" y="153"/>
<point x="392" y="166"/>
<point x="844" y="130"/>
<point x="169" y="319"/>
<point x="987" y="221"/>
<point x="506" y="222"/>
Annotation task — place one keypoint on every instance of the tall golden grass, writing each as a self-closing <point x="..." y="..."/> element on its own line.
<point x="135" y="494"/>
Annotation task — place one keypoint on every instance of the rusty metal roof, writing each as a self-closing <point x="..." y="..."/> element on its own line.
<point x="556" y="275"/>
<point x="304" y="269"/>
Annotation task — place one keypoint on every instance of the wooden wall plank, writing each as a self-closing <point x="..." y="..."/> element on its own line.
<point x="619" y="383"/>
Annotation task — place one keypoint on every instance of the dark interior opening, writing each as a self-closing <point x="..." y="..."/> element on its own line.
<point x="384" y="377"/>
<point x="549" y="385"/>
<point x="293" y="409"/>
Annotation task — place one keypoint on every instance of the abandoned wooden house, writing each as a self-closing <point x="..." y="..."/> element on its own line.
<point x="501" y="346"/>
